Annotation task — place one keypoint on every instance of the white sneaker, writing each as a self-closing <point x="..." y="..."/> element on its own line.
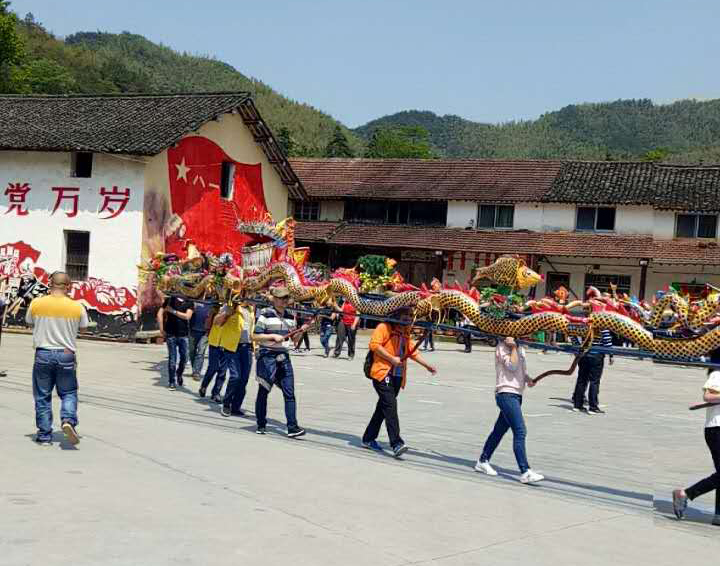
<point x="485" y="468"/>
<point x="531" y="477"/>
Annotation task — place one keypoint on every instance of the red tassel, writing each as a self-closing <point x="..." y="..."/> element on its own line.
<point x="451" y="257"/>
<point x="462" y="261"/>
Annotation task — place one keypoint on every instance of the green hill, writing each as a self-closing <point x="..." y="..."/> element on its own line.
<point x="96" y="62"/>
<point x="687" y="131"/>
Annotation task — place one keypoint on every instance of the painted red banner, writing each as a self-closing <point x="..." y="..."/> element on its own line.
<point x="195" y="167"/>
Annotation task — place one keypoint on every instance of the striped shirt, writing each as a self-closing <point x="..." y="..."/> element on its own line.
<point x="270" y="322"/>
<point x="56" y="321"/>
<point x="602" y="339"/>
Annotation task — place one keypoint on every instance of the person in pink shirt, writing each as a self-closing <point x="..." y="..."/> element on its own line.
<point x="512" y="377"/>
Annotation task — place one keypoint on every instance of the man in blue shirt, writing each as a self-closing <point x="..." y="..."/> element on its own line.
<point x="198" y="338"/>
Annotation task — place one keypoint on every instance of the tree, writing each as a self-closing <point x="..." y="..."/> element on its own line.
<point x="400" y="142"/>
<point x="286" y="141"/>
<point x="43" y="76"/>
<point x="11" y="51"/>
<point x="338" y="146"/>
<point x="656" y="155"/>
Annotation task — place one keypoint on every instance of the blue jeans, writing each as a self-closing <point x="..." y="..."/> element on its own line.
<point x="217" y="366"/>
<point x="239" y="364"/>
<point x="176" y="345"/>
<point x="54" y="368"/>
<point x="325" y="334"/>
<point x="510" y="405"/>
<point x="197" y="346"/>
<point x="283" y="376"/>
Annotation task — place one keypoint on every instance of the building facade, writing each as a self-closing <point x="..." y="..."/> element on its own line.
<point x="95" y="185"/>
<point x="640" y="226"/>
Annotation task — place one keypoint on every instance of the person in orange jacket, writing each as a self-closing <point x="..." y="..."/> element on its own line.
<point x="391" y="346"/>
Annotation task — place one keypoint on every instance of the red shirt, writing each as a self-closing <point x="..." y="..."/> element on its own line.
<point x="349" y="312"/>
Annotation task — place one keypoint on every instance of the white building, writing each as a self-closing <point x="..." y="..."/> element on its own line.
<point x="639" y="225"/>
<point x="93" y="184"/>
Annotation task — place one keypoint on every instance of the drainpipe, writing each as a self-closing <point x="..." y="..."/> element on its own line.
<point x="643" y="278"/>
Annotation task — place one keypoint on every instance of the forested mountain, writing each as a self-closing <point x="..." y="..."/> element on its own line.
<point x="32" y="60"/>
<point x="687" y="131"/>
<point x="95" y="63"/>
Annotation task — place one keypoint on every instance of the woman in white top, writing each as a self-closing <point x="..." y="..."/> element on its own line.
<point x="712" y="438"/>
<point x="511" y="378"/>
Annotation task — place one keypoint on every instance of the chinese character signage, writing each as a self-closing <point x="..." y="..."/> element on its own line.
<point x="66" y="200"/>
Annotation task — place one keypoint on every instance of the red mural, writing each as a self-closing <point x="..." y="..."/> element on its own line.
<point x="202" y="215"/>
<point x="19" y="260"/>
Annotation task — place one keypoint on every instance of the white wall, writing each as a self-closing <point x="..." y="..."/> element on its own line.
<point x="332" y="210"/>
<point x="664" y="225"/>
<point x="528" y="217"/>
<point x="558" y="218"/>
<point x="460" y="213"/>
<point x="634" y="220"/>
<point x="115" y="243"/>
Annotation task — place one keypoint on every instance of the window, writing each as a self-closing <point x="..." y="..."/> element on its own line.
<point x="227" y="180"/>
<point x="600" y="218"/>
<point x="398" y="212"/>
<point x="696" y="226"/>
<point x="492" y="217"/>
<point x="77" y="251"/>
<point x="602" y="282"/>
<point x="81" y="164"/>
<point x="306" y="210"/>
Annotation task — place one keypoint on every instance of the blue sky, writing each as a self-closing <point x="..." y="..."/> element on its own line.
<point x="484" y="60"/>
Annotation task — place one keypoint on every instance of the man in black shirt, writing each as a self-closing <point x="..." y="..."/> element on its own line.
<point x="173" y="321"/>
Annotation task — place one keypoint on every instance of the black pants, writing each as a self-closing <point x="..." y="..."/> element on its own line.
<point x="306" y="339"/>
<point x="467" y="339"/>
<point x="429" y="341"/>
<point x="345" y="331"/>
<point x="385" y="410"/>
<point x="590" y="370"/>
<point x="712" y="438"/>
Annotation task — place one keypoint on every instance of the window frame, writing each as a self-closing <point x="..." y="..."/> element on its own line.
<point x="72" y="268"/>
<point x="595" y="208"/>
<point x="696" y="217"/>
<point x="74" y="164"/>
<point x="306" y="210"/>
<point x="496" y="214"/>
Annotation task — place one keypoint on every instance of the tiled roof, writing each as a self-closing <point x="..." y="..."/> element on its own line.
<point x="140" y="124"/>
<point x="499" y="242"/>
<point x="661" y="186"/>
<point x="132" y="124"/>
<point x="479" y="180"/>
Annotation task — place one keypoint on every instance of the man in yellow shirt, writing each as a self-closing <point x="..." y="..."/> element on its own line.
<point x="237" y="348"/>
<point x="56" y="320"/>
<point x="217" y="364"/>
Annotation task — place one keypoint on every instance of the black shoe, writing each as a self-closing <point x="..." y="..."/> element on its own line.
<point x="202" y="391"/>
<point x="432" y="349"/>
<point x="180" y="381"/>
<point x="399" y="450"/>
<point x="216" y="399"/>
<point x="468" y="351"/>
<point x="295" y="432"/>
<point x="238" y="413"/>
<point x="172" y="387"/>
<point x="225" y="411"/>
<point x="40" y="442"/>
<point x="579" y="410"/>
<point x="716" y="520"/>
<point x="3" y="374"/>
<point x="260" y="430"/>
<point x="596" y="412"/>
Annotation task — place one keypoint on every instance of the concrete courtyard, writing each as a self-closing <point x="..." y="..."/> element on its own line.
<point x="162" y="478"/>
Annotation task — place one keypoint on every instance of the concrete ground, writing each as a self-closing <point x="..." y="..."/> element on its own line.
<point x="161" y="478"/>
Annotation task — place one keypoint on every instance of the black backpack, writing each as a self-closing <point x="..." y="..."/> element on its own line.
<point x="369" y="359"/>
